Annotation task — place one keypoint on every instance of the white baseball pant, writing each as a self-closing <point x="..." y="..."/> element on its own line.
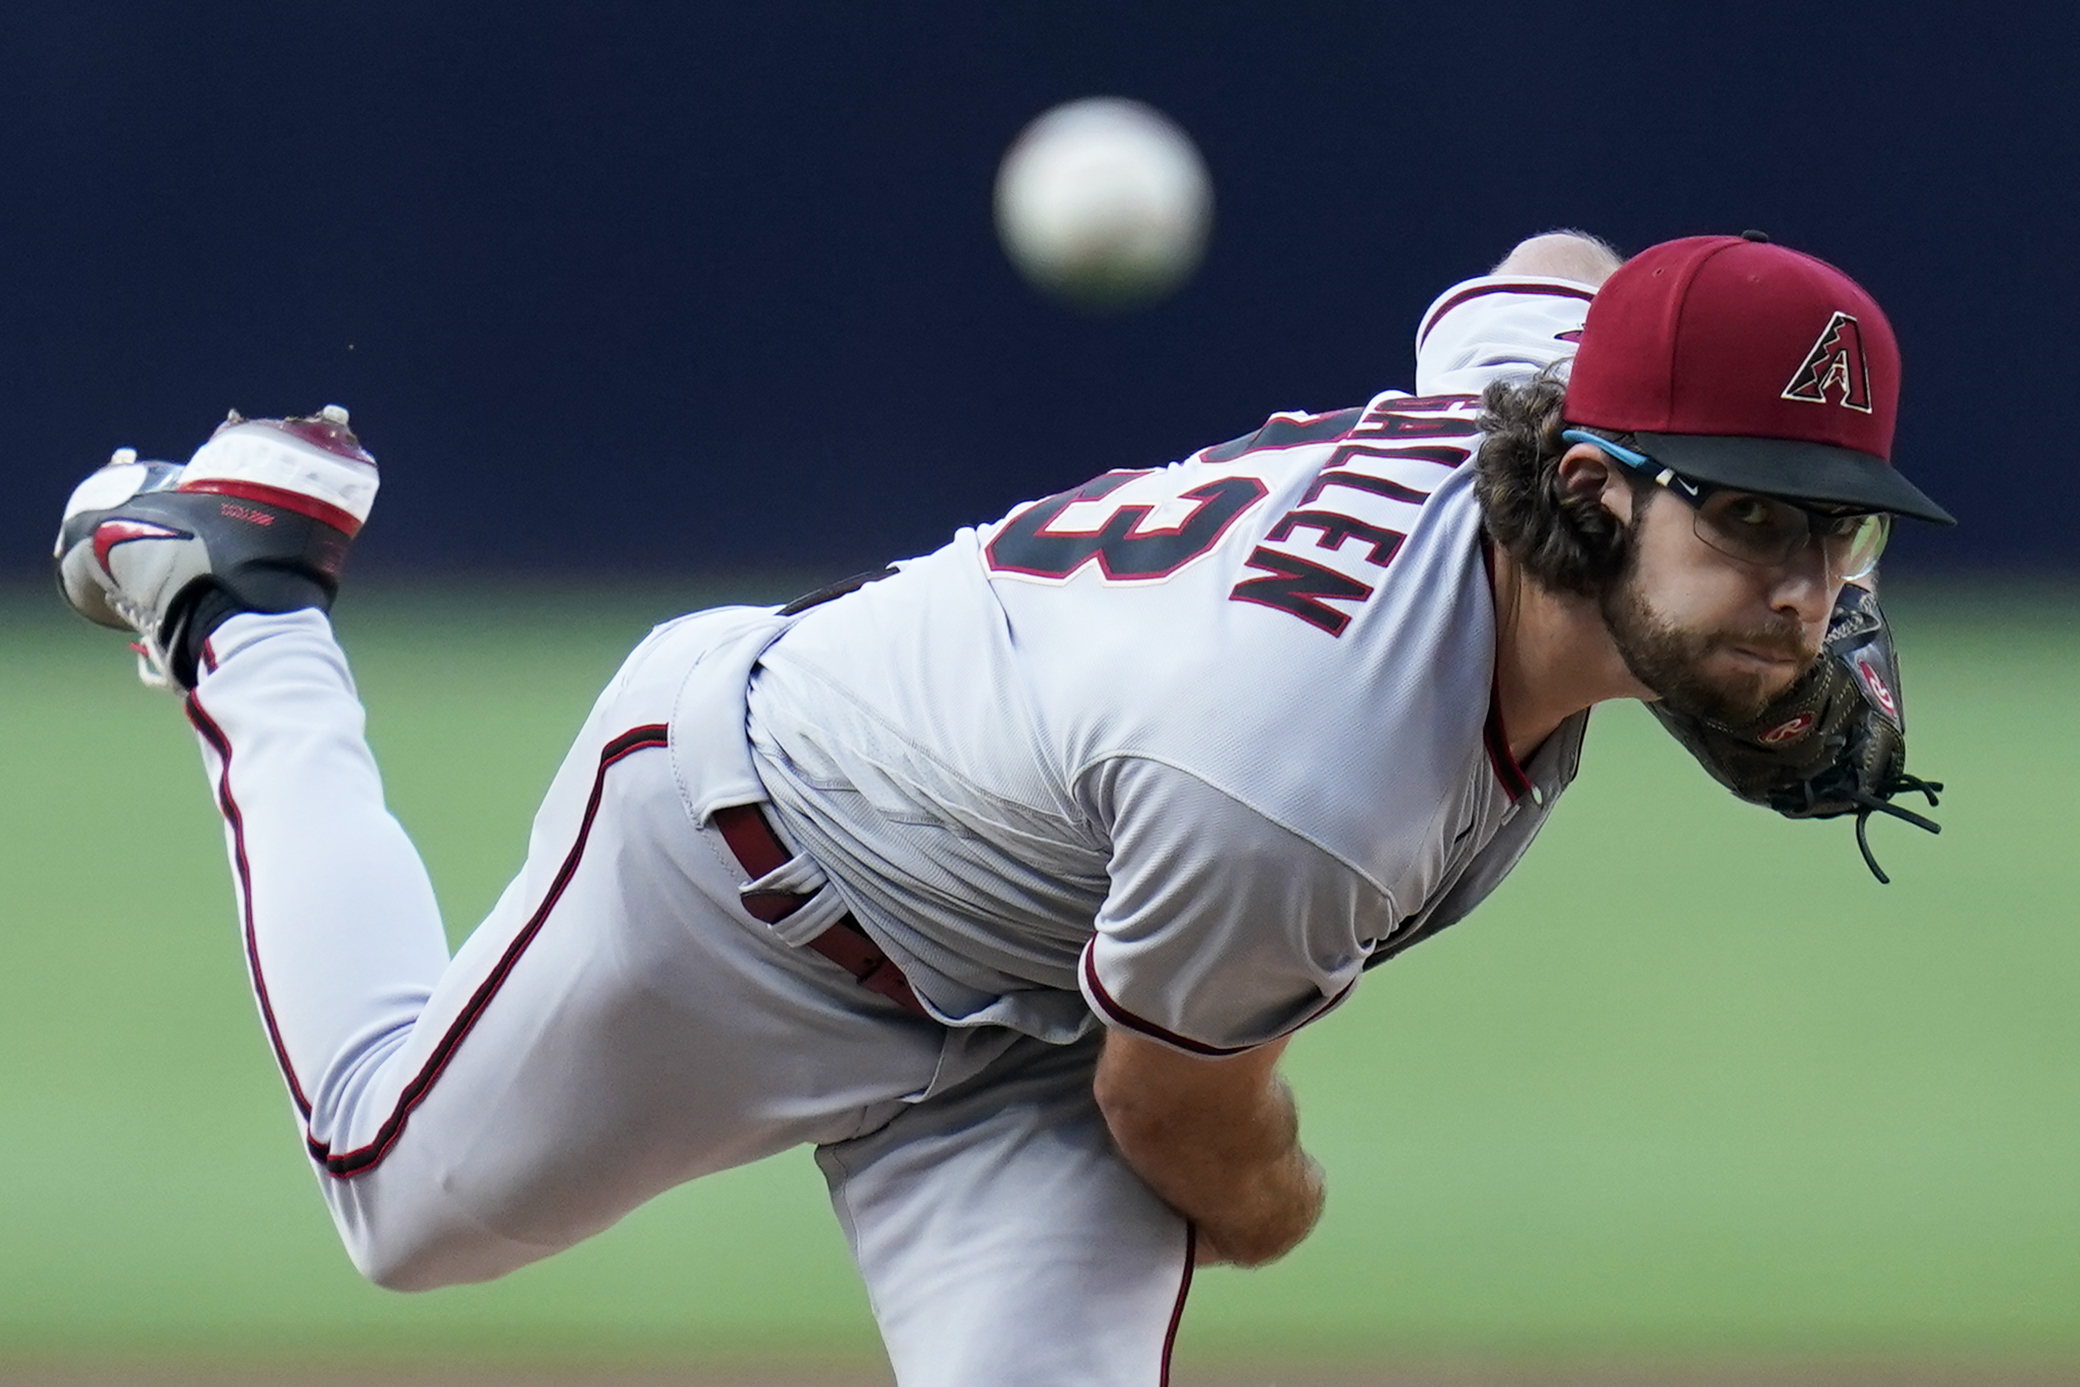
<point x="620" y="1024"/>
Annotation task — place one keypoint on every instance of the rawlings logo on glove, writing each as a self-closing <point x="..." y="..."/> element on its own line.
<point x="1833" y="743"/>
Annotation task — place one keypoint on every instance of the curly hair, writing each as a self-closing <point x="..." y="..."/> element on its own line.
<point x="1566" y="541"/>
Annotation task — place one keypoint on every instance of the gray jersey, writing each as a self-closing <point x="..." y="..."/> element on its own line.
<point x="1188" y="747"/>
<point x="1183" y="749"/>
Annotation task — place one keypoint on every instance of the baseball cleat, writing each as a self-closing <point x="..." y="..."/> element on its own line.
<point x="259" y="520"/>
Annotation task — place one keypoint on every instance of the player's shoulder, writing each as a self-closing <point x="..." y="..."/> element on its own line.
<point x="1498" y="326"/>
<point x="1485" y="297"/>
<point x="1389" y="414"/>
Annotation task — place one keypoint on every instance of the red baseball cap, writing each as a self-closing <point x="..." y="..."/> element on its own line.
<point x="1749" y="365"/>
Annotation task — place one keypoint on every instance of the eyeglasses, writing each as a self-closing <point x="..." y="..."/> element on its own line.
<point x="1762" y="530"/>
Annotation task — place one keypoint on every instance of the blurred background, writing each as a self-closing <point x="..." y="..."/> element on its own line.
<point x="644" y="307"/>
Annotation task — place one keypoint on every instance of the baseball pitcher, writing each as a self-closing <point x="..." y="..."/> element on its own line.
<point x="1002" y="878"/>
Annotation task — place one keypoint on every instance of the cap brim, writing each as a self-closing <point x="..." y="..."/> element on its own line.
<point x="1794" y="470"/>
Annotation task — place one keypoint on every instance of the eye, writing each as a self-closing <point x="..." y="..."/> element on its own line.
<point x="1751" y="511"/>
<point x="1844" y="526"/>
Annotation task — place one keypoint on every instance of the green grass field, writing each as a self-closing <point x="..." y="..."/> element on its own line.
<point x="1691" y="1089"/>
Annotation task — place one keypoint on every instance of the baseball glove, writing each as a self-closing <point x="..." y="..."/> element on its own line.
<point x="1833" y="743"/>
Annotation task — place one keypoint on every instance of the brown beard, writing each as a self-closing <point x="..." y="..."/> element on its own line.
<point x="1671" y="661"/>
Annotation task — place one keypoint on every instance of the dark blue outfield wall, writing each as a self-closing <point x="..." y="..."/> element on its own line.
<point x="617" y="287"/>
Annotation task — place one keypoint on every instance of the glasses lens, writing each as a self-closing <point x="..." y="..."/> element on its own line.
<point x="1763" y="530"/>
<point x="1754" y="529"/>
<point x="1854" y="543"/>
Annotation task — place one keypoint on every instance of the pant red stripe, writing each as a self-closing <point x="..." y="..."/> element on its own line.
<point x="235" y="820"/>
<point x="1184" y="1288"/>
<point x="349" y="1163"/>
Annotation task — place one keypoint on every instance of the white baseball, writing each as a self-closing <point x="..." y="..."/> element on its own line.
<point x="1104" y="202"/>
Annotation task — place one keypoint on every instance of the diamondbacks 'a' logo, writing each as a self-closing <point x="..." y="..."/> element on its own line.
<point x="1835" y="365"/>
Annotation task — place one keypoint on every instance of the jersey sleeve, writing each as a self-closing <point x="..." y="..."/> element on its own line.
<point x="1496" y="327"/>
<point x="1222" y="930"/>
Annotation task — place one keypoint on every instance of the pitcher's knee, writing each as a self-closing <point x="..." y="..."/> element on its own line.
<point x="426" y="1253"/>
<point x="400" y="1264"/>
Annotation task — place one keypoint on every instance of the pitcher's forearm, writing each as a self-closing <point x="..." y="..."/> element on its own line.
<point x="1574" y="255"/>
<point x="1219" y="1141"/>
<point x="1247" y="1213"/>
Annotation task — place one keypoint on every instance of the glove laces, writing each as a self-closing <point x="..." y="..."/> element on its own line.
<point x="1868" y="804"/>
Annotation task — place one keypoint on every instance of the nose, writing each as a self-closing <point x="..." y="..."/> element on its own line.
<point x="1805" y="587"/>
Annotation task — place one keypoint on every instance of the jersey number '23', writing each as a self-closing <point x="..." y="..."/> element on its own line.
<point x="1123" y="550"/>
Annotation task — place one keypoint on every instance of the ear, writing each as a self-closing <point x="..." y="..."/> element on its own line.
<point x="1585" y="471"/>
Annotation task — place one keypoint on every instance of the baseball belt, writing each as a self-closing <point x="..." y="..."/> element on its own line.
<point x="759" y="851"/>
